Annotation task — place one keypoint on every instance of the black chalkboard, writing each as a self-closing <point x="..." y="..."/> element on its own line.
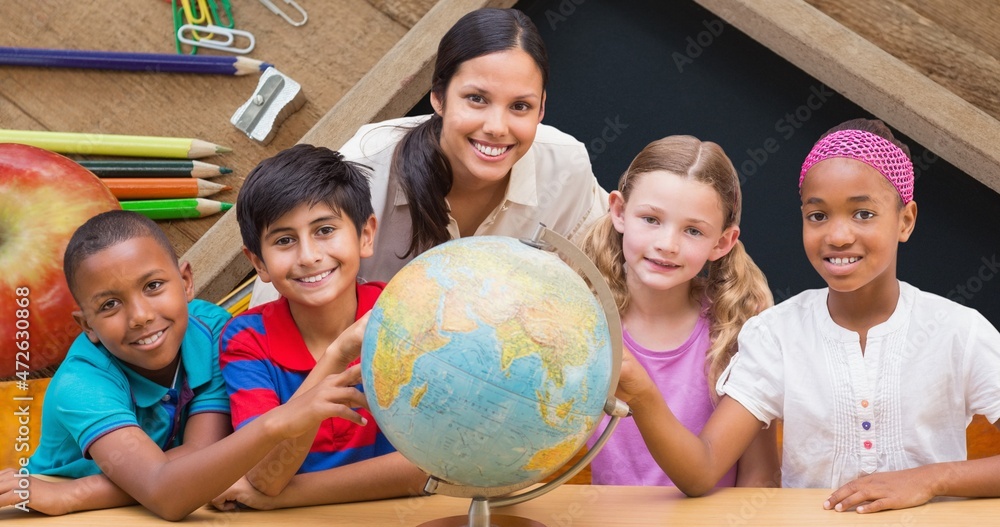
<point x="626" y="73"/>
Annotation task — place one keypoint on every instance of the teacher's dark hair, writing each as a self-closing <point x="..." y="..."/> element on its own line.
<point x="419" y="163"/>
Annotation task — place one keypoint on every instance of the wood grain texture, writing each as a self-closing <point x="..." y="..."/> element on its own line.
<point x="568" y="505"/>
<point x="13" y="426"/>
<point x="973" y="20"/>
<point x="911" y="102"/>
<point x="928" y="43"/>
<point x="389" y="89"/>
<point x="340" y="43"/>
<point x="406" y="13"/>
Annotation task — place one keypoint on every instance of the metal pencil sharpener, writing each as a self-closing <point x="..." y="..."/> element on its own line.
<point x="277" y="96"/>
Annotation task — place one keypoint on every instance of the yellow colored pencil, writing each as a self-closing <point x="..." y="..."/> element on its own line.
<point x="238" y="300"/>
<point x="240" y="306"/>
<point x="114" y="145"/>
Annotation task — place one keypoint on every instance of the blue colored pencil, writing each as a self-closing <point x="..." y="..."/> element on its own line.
<point x="116" y="60"/>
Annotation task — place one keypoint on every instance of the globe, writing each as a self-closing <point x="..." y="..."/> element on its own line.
<point x="487" y="362"/>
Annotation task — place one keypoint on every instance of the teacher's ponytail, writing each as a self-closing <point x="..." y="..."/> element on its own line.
<point x="425" y="176"/>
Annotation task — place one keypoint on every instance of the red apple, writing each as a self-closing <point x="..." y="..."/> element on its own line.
<point x="44" y="197"/>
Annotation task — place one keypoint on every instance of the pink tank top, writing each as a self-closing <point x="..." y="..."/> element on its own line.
<point x="680" y="376"/>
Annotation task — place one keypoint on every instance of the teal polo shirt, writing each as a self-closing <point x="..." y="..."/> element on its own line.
<point x="94" y="393"/>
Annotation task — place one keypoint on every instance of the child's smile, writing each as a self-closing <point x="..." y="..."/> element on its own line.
<point x="150" y="340"/>
<point x="312" y="254"/>
<point x="852" y="223"/>
<point x="137" y="311"/>
<point x="671" y="226"/>
<point x="315" y="278"/>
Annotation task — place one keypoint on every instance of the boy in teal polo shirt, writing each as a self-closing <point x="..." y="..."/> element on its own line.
<point x="138" y="411"/>
<point x="73" y="418"/>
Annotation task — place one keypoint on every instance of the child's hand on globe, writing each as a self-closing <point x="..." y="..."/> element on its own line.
<point x="633" y="383"/>
<point x="342" y="352"/>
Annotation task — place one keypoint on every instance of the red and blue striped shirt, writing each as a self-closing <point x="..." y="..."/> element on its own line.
<point x="264" y="360"/>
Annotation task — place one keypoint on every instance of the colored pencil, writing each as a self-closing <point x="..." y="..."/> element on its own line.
<point x="238" y="300"/>
<point x="174" y="209"/>
<point x="160" y="188"/>
<point x="239" y="306"/>
<point x="153" y="169"/>
<point x="113" y="145"/>
<point x="116" y="60"/>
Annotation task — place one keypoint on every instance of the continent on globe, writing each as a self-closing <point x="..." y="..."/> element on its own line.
<point x="487" y="362"/>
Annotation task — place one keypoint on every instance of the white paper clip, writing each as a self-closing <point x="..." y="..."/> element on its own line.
<point x="274" y="9"/>
<point x="207" y="38"/>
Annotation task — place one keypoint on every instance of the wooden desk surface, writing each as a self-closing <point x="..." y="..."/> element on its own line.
<point x="570" y="505"/>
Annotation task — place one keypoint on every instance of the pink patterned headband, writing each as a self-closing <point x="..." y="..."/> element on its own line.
<point x="875" y="151"/>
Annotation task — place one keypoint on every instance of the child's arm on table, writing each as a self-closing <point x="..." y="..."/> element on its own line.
<point x="57" y="496"/>
<point x="388" y="476"/>
<point x="173" y="488"/>
<point x="760" y="465"/>
<point x="978" y="478"/>
<point x="694" y="463"/>
<point x="273" y="473"/>
<point x="975" y="478"/>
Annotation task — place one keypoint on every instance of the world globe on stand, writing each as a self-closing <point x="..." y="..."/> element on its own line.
<point x="487" y="362"/>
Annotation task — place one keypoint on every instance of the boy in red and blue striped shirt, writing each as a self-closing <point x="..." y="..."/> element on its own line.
<point x="306" y="221"/>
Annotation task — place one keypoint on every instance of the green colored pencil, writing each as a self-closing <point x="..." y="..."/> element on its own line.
<point x="153" y="168"/>
<point x="173" y="209"/>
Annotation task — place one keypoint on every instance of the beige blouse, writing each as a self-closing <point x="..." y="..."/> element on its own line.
<point x="552" y="184"/>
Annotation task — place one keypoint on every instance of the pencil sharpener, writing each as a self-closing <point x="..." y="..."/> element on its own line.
<point x="277" y="96"/>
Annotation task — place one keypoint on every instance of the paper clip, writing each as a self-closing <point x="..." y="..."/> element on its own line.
<point x="224" y="44"/>
<point x="201" y="13"/>
<point x="274" y="9"/>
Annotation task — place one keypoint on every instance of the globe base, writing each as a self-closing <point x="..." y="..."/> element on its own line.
<point x="481" y="516"/>
<point x="496" y="520"/>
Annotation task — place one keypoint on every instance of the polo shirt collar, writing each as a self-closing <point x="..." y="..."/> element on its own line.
<point x="284" y="335"/>
<point x="197" y="339"/>
<point x="522" y="188"/>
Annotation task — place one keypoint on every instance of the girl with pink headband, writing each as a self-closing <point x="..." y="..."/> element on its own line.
<point x="875" y="380"/>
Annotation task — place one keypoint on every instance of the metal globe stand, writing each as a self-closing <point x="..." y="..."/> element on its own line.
<point x="485" y="499"/>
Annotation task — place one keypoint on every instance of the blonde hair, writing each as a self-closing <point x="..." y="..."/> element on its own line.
<point x="735" y="287"/>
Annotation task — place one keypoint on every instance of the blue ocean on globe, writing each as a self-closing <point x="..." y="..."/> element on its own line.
<point x="487" y="362"/>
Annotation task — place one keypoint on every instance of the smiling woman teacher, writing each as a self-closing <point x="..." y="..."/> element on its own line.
<point x="482" y="164"/>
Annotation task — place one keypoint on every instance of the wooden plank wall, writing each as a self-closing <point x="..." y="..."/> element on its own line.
<point x="954" y="128"/>
<point x="328" y="55"/>
<point x="955" y="43"/>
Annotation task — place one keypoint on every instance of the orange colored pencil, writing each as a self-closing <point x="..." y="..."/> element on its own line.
<point x="162" y="188"/>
